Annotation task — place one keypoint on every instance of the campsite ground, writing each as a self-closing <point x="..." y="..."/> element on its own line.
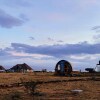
<point x="50" y="87"/>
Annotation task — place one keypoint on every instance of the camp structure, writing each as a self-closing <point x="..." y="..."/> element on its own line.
<point x="98" y="67"/>
<point x="2" y="69"/>
<point x="63" y="68"/>
<point x="21" y="68"/>
<point x="90" y="70"/>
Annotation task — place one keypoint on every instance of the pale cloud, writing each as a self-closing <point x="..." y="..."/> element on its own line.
<point x="80" y="3"/>
<point x="50" y="39"/>
<point x="96" y="29"/>
<point x="88" y="2"/>
<point x="23" y="54"/>
<point x="60" y="41"/>
<point x="85" y="57"/>
<point x="57" y="17"/>
<point x="29" y="29"/>
<point x="96" y="38"/>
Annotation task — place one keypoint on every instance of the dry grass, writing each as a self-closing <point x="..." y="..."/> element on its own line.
<point x="46" y="91"/>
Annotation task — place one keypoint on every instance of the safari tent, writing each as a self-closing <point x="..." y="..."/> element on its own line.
<point x="2" y="69"/>
<point x="21" y="68"/>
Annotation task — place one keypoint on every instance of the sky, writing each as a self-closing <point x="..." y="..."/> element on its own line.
<point x="42" y="32"/>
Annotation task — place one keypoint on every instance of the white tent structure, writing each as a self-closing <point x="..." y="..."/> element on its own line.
<point x="97" y="68"/>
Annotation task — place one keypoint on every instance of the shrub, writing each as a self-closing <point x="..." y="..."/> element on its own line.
<point x="30" y="86"/>
<point x="13" y="96"/>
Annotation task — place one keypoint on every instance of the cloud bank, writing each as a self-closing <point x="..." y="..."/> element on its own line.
<point x="58" y="50"/>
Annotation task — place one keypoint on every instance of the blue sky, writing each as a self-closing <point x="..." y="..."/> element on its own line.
<point x="42" y="32"/>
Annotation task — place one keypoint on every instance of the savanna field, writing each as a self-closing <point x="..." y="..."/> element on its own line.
<point x="46" y="86"/>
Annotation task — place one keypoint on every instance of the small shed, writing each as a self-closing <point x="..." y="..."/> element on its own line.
<point x="2" y="69"/>
<point x="21" y="68"/>
<point x="63" y="68"/>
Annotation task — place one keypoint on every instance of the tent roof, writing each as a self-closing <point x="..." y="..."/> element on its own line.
<point x="21" y="66"/>
<point x="2" y="68"/>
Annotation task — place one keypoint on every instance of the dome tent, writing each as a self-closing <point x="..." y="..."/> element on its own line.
<point x="63" y="68"/>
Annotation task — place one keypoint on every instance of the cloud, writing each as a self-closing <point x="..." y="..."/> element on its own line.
<point x="3" y="53"/>
<point x="8" y="21"/>
<point x="60" y="41"/>
<point x="53" y="40"/>
<point x="85" y="57"/>
<point x="27" y="55"/>
<point x="31" y="38"/>
<point x="78" y="4"/>
<point x="55" y="16"/>
<point x="58" y="50"/>
<point x="50" y="39"/>
<point x="96" y="29"/>
<point x="89" y="2"/>
<point x="97" y="36"/>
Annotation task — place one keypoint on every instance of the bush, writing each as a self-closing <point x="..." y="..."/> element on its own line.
<point x="30" y="86"/>
<point x="13" y="96"/>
